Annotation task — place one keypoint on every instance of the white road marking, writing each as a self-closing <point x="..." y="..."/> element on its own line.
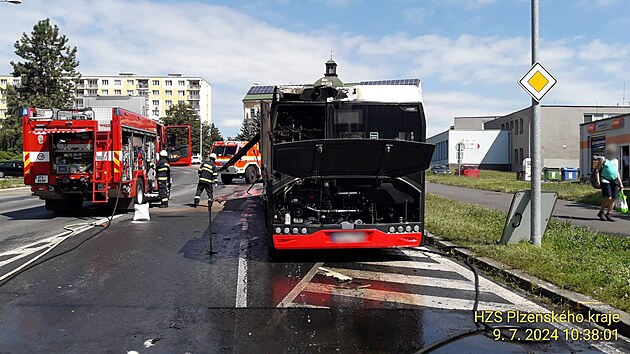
<point x="411" y="264"/>
<point x="27" y="250"/>
<point x="241" y="278"/>
<point x="407" y="279"/>
<point x="405" y="298"/>
<point x="286" y="302"/>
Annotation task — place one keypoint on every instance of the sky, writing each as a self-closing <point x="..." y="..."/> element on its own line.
<point x="469" y="54"/>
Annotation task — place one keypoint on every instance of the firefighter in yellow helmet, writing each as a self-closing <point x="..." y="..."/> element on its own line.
<point x="164" y="178"/>
<point x="208" y="173"/>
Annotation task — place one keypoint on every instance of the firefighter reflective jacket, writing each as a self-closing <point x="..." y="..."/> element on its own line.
<point x="208" y="172"/>
<point x="163" y="170"/>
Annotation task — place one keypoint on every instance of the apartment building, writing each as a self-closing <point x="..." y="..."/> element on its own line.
<point x="4" y="82"/>
<point x="161" y="92"/>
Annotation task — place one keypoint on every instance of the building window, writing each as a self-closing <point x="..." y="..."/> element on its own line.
<point x="3" y="101"/>
<point x="91" y="92"/>
<point x="502" y="126"/>
<point x="92" y="82"/>
<point x="105" y="82"/>
<point x="117" y="82"/>
<point x="516" y="156"/>
<point x="156" y="82"/>
<point x="105" y="92"/>
<point x="182" y="83"/>
<point x="520" y="154"/>
<point x="156" y="112"/>
<point x="156" y="92"/>
<point x="168" y="82"/>
<point x="117" y="92"/>
<point x="511" y="125"/>
<point x="521" y="131"/>
<point x="181" y="102"/>
<point x="169" y="103"/>
<point x="516" y="128"/>
<point x="3" y="82"/>
<point x="16" y="82"/>
<point x="130" y="82"/>
<point x="156" y="102"/>
<point x="169" y="93"/>
<point x="129" y="92"/>
<point x="181" y="93"/>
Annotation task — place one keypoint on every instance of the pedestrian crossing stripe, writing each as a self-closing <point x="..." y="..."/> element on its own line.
<point x="411" y="279"/>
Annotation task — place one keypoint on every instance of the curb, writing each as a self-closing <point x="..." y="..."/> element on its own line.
<point x="578" y="302"/>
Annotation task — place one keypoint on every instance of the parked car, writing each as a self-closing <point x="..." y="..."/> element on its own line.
<point x="11" y="169"/>
<point x="440" y="170"/>
<point x="468" y="171"/>
<point x="195" y="159"/>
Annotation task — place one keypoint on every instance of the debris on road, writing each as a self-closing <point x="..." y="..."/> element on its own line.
<point x="151" y="342"/>
<point x="330" y="273"/>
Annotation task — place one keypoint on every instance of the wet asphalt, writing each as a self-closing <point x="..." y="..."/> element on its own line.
<point x="154" y="287"/>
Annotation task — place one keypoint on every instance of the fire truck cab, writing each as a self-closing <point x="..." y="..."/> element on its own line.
<point x="248" y="166"/>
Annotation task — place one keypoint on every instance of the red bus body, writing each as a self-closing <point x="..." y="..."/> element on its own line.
<point x="97" y="154"/>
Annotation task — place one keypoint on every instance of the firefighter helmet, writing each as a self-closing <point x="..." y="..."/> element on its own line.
<point x="213" y="156"/>
<point x="163" y="153"/>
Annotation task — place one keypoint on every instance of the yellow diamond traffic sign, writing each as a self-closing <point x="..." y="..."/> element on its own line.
<point x="537" y="81"/>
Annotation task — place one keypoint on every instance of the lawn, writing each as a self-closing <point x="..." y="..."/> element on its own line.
<point x="506" y="182"/>
<point x="570" y="257"/>
<point x="11" y="182"/>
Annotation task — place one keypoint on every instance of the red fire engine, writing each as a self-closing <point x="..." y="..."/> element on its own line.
<point x="247" y="166"/>
<point x="99" y="154"/>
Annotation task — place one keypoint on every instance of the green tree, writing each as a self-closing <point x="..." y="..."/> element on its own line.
<point x="184" y="114"/>
<point x="46" y="75"/>
<point x="249" y="128"/>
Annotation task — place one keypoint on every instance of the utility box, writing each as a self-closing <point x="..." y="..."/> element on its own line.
<point x="552" y="174"/>
<point x="569" y="173"/>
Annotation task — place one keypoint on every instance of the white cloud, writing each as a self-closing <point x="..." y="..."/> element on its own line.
<point x="464" y="75"/>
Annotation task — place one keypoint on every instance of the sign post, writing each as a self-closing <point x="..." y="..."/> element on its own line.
<point x="537" y="82"/>
<point x="460" y="155"/>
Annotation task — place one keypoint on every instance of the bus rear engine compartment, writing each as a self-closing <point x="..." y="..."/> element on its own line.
<point x="319" y="201"/>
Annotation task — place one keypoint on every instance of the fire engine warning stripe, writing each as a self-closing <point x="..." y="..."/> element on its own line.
<point x="27" y="163"/>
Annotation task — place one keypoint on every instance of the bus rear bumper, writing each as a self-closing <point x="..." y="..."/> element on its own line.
<point x="323" y="240"/>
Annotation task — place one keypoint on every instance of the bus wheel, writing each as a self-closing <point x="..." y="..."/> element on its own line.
<point x="226" y="179"/>
<point x="251" y="174"/>
<point x="139" y="192"/>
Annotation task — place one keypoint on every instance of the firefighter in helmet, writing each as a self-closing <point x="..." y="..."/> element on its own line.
<point x="208" y="173"/>
<point x="164" y="178"/>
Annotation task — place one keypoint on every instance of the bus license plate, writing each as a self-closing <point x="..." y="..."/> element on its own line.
<point x="348" y="237"/>
<point x="41" y="179"/>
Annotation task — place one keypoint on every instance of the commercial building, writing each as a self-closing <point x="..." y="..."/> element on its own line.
<point x="161" y="92"/>
<point x="560" y="132"/>
<point x="595" y="136"/>
<point x="484" y="148"/>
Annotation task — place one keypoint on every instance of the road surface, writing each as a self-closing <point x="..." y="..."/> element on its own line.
<point x="154" y="287"/>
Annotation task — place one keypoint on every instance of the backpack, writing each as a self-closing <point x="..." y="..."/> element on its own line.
<point x="594" y="180"/>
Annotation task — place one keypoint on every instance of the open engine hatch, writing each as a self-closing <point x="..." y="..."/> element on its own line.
<point x="351" y="157"/>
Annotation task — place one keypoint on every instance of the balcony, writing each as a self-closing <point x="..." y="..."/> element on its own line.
<point x="194" y="97"/>
<point x="143" y="85"/>
<point x="92" y="86"/>
<point x="194" y="87"/>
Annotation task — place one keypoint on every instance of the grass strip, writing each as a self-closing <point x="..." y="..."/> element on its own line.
<point x="11" y="183"/>
<point x="571" y="257"/>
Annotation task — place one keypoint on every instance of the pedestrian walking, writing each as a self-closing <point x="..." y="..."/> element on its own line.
<point x="607" y="176"/>
<point x="164" y="178"/>
<point x="208" y="174"/>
